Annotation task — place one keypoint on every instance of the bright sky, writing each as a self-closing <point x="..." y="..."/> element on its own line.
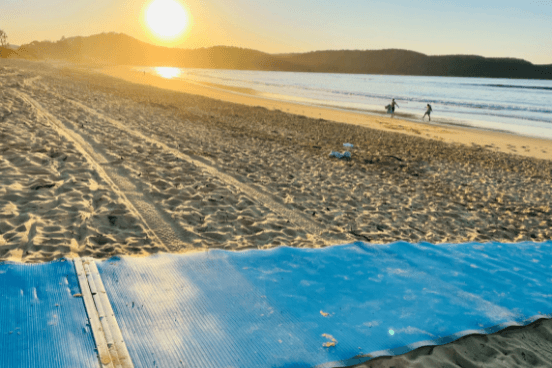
<point x="493" y="28"/>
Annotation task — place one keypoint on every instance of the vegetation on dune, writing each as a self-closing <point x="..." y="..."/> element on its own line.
<point x="7" y="51"/>
<point x="3" y="39"/>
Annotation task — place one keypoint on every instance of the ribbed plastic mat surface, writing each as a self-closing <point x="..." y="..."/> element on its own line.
<point x="305" y="307"/>
<point x="41" y="323"/>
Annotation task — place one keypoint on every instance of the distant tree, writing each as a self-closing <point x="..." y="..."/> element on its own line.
<point x="3" y="39"/>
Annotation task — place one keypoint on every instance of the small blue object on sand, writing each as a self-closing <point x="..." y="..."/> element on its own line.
<point x="345" y="154"/>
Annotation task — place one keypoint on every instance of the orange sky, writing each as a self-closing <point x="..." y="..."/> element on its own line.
<point x="489" y="28"/>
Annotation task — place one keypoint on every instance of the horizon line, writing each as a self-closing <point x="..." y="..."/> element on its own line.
<point x="282" y="53"/>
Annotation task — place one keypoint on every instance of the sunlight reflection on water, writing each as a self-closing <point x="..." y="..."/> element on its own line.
<point x="167" y="72"/>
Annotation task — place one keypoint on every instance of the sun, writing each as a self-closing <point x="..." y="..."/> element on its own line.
<point x="166" y="18"/>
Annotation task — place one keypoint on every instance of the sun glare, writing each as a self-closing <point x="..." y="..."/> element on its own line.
<point x="167" y="72"/>
<point x="166" y="18"/>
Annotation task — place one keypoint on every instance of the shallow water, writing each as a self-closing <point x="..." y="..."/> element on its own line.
<point x="514" y="105"/>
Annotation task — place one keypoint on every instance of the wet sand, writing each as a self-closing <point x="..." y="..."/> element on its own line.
<point x="93" y="165"/>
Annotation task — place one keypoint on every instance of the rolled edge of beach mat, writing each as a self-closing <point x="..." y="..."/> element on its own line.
<point x="112" y="350"/>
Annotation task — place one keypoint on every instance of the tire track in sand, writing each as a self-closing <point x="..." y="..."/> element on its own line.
<point x="154" y="221"/>
<point x="276" y="205"/>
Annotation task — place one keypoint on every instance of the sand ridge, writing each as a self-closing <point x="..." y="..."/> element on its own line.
<point x="249" y="189"/>
<point x="53" y="203"/>
<point x="91" y="158"/>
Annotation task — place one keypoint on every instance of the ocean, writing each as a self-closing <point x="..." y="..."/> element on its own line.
<point x="517" y="106"/>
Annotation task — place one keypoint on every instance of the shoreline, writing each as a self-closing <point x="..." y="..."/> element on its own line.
<point x="496" y="140"/>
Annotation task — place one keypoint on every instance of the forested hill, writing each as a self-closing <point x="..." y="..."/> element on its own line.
<point x="120" y="49"/>
<point x="403" y="62"/>
<point x="113" y="48"/>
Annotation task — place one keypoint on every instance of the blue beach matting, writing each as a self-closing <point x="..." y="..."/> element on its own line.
<point x="284" y="307"/>
<point x="42" y="323"/>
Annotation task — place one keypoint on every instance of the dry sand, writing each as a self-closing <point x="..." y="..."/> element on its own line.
<point x="92" y="165"/>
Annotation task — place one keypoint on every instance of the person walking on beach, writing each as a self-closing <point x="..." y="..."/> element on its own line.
<point x="391" y="107"/>
<point x="428" y="112"/>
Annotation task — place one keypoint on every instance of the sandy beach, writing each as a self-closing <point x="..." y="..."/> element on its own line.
<point x="101" y="166"/>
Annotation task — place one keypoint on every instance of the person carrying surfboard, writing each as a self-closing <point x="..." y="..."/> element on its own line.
<point x="391" y="107"/>
<point x="393" y="104"/>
